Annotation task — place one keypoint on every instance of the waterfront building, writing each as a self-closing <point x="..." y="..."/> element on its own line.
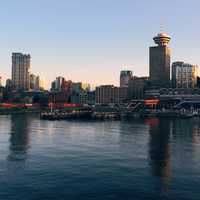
<point x="60" y="90"/>
<point x="78" y="87"/>
<point x="0" y="81"/>
<point x="91" y="97"/>
<point x="159" y="61"/>
<point x="75" y="99"/>
<point x="9" y="84"/>
<point x="32" y="81"/>
<point x="20" y="71"/>
<point x="87" y="97"/>
<point x="1" y="95"/>
<point x="83" y="98"/>
<point x="136" y="87"/>
<point x="173" y="93"/>
<point x="125" y="76"/>
<point x="41" y="83"/>
<point x="35" y="83"/>
<point x="184" y="75"/>
<point x="106" y="94"/>
<point x="59" y="97"/>
<point x="59" y="84"/>
<point x="53" y="86"/>
<point x="66" y="86"/>
<point x="198" y="81"/>
<point x="86" y="86"/>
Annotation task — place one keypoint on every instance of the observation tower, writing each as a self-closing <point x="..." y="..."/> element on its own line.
<point x="162" y="39"/>
<point x="159" y="61"/>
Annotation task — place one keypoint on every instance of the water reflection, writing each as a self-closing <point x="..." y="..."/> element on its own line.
<point x="19" y="137"/>
<point x="187" y="134"/>
<point x="186" y="130"/>
<point x="159" y="149"/>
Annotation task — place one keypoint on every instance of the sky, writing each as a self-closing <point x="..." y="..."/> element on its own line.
<point x="92" y="40"/>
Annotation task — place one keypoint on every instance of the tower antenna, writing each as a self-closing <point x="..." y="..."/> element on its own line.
<point x="161" y="28"/>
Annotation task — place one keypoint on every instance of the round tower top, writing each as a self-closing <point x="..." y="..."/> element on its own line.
<point x="162" y="39"/>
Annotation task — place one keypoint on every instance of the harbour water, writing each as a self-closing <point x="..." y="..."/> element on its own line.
<point x="99" y="160"/>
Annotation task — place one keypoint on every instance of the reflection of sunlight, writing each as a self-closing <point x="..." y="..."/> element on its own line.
<point x="19" y="137"/>
<point x="44" y="128"/>
<point x="195" y="144"/>
<point x="195" y="136"/>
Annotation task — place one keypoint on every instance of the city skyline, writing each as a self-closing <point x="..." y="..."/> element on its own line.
<point x="52" y="37"/>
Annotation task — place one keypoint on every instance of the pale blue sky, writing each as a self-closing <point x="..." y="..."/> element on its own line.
<point x="91" y="40"/>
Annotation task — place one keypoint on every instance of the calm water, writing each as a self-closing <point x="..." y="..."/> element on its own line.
<point x="139" y="159"/>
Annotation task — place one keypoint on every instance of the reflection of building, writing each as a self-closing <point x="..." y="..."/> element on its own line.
<point x="20" y="71"/>
<point x="159" y="61"/>
<point x="184" y="75"/>
<point x="136" y="87"/>
<point x="125" y="76"/>
<point x="159" y="148"/>
<point x="19" y="138"/>
<point x="111" y="94"/>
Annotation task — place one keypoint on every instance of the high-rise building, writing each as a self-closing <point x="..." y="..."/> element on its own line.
<point x="35" y="82"/>
<point x="38" y="83"/>
<point x="0" y="81"/>
<point x="159" y="61"/>
<point x="184" y="75"/>
<point x="9" y="84"/>
<point x="41" y="82"/>
<point x="125" y="76"/>
<point x="56" y="85"/>
<point x="20" y="71"/>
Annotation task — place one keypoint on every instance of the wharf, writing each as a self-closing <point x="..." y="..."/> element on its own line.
<point x="105" y="115"/>
<point x="54" y="115"/>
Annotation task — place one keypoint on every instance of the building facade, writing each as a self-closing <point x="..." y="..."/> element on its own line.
<point x="58" y="84"/>
<point x="136" y="87"/>
<point x="125" y="76"/>
<point x="35" y="82"/>
<point x="20" y="71"/>
<point x="159" y="61"/>
<point x="184" y="75"/>
<point x="106" y="94"/>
